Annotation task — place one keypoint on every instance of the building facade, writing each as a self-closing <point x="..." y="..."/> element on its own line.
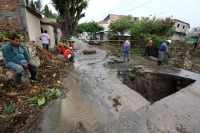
<point x="181" y="30"/>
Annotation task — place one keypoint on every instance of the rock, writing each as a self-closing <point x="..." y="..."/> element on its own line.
<point x="119" y="60"/>
<point x="138" y="66"/>
<point x="111" y="62"/>
<point x="89" y="51"/>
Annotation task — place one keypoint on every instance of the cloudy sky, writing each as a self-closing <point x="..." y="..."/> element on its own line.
<point x="185" y="10"/>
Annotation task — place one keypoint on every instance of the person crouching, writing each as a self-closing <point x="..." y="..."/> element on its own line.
<point x="69" y="54"/>
<point x="61" y="47"/>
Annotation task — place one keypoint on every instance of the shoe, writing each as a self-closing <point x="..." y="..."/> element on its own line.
<point x="18" y="81"/>
<point x="33" y="76"/>
<point x="128" y="59"/>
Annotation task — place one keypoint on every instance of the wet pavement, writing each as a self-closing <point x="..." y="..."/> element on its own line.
<point x="93" y="85"/>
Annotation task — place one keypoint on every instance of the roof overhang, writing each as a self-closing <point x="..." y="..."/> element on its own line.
<point x="30" y="10"/>
<point x="50" y="21"/>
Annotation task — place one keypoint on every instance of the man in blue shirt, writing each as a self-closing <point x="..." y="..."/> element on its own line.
<point x="163" y="49"/>
<point x="16" y="57"/>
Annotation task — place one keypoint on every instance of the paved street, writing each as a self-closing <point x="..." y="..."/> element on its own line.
<point x="91" y="88"/>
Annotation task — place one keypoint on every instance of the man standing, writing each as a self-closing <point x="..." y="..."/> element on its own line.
<point x="45" y="40"/>
<point x="163" y="49"/>
<point x="16" y="57"/>
<point x="148" y="47"/>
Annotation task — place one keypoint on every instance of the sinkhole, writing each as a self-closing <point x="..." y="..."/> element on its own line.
<point x="153" y="86"/>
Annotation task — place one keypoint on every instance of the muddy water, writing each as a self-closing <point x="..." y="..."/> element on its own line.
<point x="91" y="89"/>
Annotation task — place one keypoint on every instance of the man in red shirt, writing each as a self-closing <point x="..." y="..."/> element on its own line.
<point x="69" y="54"/>
<point x="61" y="47"/>
<point x="148" y="47"/>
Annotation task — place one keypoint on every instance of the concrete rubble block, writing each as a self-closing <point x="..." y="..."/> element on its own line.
<point x="111" y="62"/>
<point x="119" y="60"/>
<point x="138" y="66"/>
<point x="89" y="51"/>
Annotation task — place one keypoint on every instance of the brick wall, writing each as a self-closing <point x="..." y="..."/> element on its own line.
<point x="9" y="15"/>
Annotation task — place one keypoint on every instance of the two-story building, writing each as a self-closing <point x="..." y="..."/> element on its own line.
<point x="181" y="30"/>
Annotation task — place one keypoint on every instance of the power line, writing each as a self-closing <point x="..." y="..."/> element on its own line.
<point x="125" y="5"/>
<point x="139" y="6"/>
<point x="111" y="8"/>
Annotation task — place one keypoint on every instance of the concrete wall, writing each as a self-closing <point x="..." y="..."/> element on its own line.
<point x="34" y="29"/>
<point x="50" y="32"/>
<point x="178" y="36"/>
<point x="181" y="27"/>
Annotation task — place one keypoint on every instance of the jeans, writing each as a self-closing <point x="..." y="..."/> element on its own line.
<point x="18" y="68"/>
<point x="161" y="54"/>
<point x="126" y="53"/>
<point x="45" y="46"/>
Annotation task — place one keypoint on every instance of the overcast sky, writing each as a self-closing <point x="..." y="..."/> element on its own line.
<point x="185" y="10"/>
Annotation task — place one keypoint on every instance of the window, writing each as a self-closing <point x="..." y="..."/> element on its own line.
<point x="183" y="27"/>
<point x="178" y="25"/>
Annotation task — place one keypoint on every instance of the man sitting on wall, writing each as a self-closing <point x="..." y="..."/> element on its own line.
<point x="16" y="57"/>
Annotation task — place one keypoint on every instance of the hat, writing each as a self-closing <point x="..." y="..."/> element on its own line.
<point x="149" y="39"/>
<point x="70" y="47"/>
<point x="169" y="41"/>
<point x="60" y="44"/>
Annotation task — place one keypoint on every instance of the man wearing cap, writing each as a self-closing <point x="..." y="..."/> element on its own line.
<point x="69" y="54"/>
<point x="61" y="47"/>
<point x="163" y="49"/>
<point x="148" y="47"/>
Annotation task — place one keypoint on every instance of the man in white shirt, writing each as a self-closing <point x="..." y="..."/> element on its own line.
<point x="45" y="40"/>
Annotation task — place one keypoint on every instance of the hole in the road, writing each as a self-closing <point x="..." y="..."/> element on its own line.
<point x="153" y="86"/>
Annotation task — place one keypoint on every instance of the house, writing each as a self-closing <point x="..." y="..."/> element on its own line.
<point x="194" y="34"/>
<point x="113" y="17"/>
<point x="15" y="15"/>
<point x="181" y="30"/>
<point x="103" y="35"/>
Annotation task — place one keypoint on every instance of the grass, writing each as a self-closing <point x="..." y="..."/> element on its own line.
<point x="138" y="53"/>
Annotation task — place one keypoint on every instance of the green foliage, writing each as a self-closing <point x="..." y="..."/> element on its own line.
<point x="9" y="109"/>
<point x="63" y="5"/>
<point x="41" y="101"/>
<point x="37" y="6"/>
<point x="120" y="26"/>
<point x="158" y="29"/>
<point x="19" y="33"/>
<point x="48" y="96"/>
<point x="157" y="41"/>
<point x="33" y="99"/>
<point x="88" y="27"/>
<point x="49" y="14"/>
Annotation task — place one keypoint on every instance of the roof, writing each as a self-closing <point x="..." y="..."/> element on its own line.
<point x="182" y="22"/>
<point x="102" y="22"/>
<point x="30" y="10"/>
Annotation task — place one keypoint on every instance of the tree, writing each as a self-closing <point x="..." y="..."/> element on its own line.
<point x="48" y="14"/>
<point x="36" y="5"/>
<point x="70" y="13"/>
<point x="91" y="27"/>
<point x="120" y="26"/>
